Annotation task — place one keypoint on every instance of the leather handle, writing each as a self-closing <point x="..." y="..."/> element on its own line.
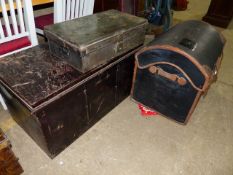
<point x="173" y="77"/>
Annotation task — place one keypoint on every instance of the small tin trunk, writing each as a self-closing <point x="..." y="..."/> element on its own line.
<point x="94" y="40"/>
<point x="55" y="103"/>
<point x="175" y="69"/>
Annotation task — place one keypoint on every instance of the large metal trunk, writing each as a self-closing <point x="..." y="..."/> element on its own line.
<point x="55" y="103"/>
<point x="94" y="40"/>
<point x="175" y="69"/>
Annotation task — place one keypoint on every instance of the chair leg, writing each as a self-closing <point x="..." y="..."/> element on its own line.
<point x="3" y="102"/>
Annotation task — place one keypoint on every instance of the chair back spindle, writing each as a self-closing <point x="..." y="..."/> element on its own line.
<point x="20" y="15"/>
<point x="72" y="9"/>
<point x="15" y="24"/>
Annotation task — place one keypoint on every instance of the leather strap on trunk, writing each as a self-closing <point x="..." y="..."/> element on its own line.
<point x="180" y="80"/>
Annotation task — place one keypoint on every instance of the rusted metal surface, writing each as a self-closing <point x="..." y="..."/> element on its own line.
<point x="35" y="75"/>
<point x="75" y="102"/>
<point x="189" y="56"/>
<point x="94" y="40"/>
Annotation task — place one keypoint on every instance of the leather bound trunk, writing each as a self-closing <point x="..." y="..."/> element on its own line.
<point x="175" y="69"/>
<point x="92" y="41"/>
<point x="55" y="103"/>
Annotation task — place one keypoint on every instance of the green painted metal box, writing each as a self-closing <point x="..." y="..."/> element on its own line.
<point x="94" y="40"/>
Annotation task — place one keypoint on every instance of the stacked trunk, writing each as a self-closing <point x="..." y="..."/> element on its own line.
<point x="56" y="91"/>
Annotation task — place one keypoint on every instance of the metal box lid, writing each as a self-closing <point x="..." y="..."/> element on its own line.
<point x="87" y="34"/>
<point x="34" y="75"/>
<point x="37" y="78"/>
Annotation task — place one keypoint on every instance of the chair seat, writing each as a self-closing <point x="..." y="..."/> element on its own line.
<point x="14" y="45"/>
<point x="44" y="20"/>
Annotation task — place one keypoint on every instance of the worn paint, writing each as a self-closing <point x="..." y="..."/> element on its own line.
<point x="95" y="40"/>
<point x="35" y="75"/>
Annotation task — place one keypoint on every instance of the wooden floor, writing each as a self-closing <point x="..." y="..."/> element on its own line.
<point x="40" y="2"/>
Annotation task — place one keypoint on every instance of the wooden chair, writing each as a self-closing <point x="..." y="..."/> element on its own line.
<point x="64" y="10"/>
<point x="17" y="29"/>
<point x="17" y="26"/>
<point x="2" y="102"/>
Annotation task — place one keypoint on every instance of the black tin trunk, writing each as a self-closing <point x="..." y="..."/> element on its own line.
<point x="55" y="103"/>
